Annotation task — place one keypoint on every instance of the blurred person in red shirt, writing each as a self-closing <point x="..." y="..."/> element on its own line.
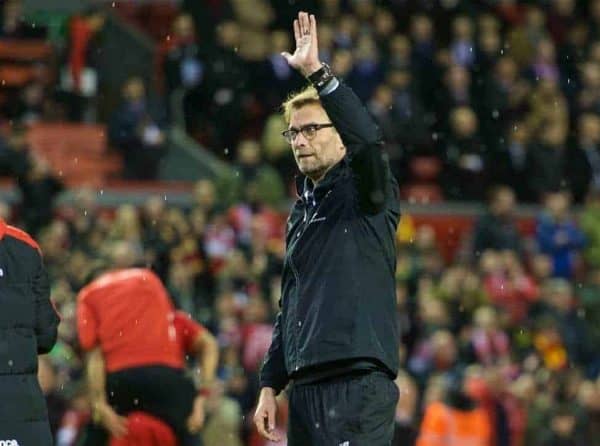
<point x="508" y="285"/>
<point x="137" y="344"/>
<point x="488" y="343"/>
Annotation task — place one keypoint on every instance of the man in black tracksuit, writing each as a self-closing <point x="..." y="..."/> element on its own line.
<point x="336" y="339"/>
<point x="28" y="327"/>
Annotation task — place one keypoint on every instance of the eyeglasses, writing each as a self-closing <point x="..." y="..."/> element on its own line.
<point x="309" y="131"/>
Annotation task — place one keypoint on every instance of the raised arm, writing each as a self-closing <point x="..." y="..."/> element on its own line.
<point x="358" y="131"/>
<point x="96" y="382"/>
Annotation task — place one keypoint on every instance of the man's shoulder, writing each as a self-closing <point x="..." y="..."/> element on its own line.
<point x="11" y="232"/>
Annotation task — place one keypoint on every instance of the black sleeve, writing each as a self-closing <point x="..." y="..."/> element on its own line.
<point x="273" y="373"/>
<point x="46" y="318"/>
<point x="364" y="143"/>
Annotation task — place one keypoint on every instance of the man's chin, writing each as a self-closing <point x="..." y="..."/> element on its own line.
<point x="312" y="173"/>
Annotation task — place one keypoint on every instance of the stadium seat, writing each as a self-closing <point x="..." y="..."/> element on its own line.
<point x="25" y="50"/>
<point x="12" y="75"/>
<point x="425" y="168"/>
<point x="77" y="153"/>
<point x="422" y="193"/>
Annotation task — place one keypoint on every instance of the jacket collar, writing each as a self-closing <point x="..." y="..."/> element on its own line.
<point x="334" y="174"/>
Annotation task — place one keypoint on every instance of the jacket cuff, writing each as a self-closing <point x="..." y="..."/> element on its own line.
<point x="274" y="384"/>
<point x="329" y="87"/>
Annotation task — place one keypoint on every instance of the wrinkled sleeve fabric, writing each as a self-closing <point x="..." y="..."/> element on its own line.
<point x="273" y="372"/>
<point x="363" y="141"/>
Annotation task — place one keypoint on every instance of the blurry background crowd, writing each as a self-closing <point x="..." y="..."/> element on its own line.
<point x="494" y="102"/>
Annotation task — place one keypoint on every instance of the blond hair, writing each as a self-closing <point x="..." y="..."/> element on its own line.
<point x="299" y="99"/>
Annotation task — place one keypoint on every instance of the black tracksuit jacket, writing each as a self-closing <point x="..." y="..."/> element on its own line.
<point x="28" y="327"/>
<point x="338" y="290"/>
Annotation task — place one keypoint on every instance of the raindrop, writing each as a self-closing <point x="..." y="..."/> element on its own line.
<point x="10" y="362"/>
<point x="136" y="401"/>
<point x="226" y="151"/>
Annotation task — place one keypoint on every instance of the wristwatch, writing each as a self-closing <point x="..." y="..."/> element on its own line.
<point x="321" y="77"/>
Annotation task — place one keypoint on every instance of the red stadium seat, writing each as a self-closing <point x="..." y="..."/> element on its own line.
<point x="422" y="193"/>
<point x="78" y="153"/>
<point x="145" y="430"/>
<point x="425" y="168"/>
<point x="12" y="75"/>
<point x="25" y="50"/>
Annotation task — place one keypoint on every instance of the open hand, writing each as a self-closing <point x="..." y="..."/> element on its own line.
<point x="306" y="57"/>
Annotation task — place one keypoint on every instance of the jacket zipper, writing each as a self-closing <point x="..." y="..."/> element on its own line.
<point x="294" y="271"/>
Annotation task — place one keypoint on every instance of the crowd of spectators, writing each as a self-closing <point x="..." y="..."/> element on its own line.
<point x="492" y="91"/>
<point x="500" y="92"/>
<point x="513" y="318"/>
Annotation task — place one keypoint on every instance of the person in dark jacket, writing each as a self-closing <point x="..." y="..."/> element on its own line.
<point x="336" y="337"/>
<point x="497" y="228"/>
<point x="28" y="327"/>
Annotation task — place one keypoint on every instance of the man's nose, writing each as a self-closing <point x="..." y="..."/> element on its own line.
<point x="300" y="140"/>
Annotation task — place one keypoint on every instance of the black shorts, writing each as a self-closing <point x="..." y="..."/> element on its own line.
<point x="353" y="410"/>
<point x="163" y="392"/>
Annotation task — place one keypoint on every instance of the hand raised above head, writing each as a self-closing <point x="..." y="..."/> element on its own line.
<point x="306" y="56"/>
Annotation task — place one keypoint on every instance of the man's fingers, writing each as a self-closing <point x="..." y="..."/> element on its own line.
<point x="297" y="33"/>
<point x="301" y="23"/>
<point x="269" y="425"/>
<point x="261" y="420"/>
<point x="270" y="419"/>
<point x="313" y="25"/>
<point x="313" y="29"/>
<point x="304" y="23"/>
